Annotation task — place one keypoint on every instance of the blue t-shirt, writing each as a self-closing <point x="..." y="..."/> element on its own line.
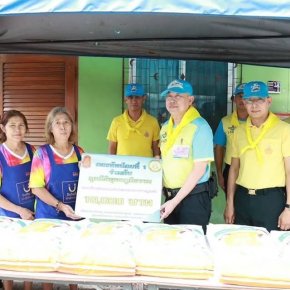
<point x="220" y="137"/>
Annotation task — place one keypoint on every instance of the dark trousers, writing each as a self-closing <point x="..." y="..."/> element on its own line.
<point x="262" y="209"/>
<point x="194" y="209"/>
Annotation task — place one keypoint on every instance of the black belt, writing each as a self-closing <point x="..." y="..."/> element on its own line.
<point x="200" y="187"/>
<point x="258" y="191"/>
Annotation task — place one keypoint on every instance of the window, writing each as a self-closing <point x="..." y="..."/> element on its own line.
<point x="34" y="85"/>
<point x="155" y="75"/>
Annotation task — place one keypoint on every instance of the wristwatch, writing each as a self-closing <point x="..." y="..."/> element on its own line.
<point x="287" y="205"/>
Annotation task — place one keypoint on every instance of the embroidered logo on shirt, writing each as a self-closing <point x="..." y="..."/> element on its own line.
<point x="163" y="137"/>
<point x="231" y="129"/>
<point x="268" y="150"/>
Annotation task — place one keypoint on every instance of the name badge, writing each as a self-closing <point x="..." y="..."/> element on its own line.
<point x="181" y="151"/>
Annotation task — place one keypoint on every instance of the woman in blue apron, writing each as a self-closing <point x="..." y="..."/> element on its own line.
<point x="16" y="199"/>
<point x="55" y="171"/>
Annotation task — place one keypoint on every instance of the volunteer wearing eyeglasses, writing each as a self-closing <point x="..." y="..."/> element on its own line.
<point x="259" y="177"/>
<point x="186" y="143"/>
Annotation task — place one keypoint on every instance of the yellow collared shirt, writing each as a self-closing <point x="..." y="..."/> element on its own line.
<point x="134" y="143"/>
<point x="229" y="129"/>
<point x="274" y="147"/>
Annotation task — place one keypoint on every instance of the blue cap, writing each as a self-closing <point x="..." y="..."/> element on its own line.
<point x="178" y="86"/>
<point x="239" y="89"/>
<point x="134" y="90"/>
<point x="255" y="89"/>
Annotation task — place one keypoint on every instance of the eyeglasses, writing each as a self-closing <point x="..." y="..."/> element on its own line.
<point x="259" y="101"/>
<point x="175" y="98"/>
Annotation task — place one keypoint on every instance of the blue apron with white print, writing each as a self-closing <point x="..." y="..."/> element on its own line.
<point x="62" y="185"/>
<point x="15" y="184"/>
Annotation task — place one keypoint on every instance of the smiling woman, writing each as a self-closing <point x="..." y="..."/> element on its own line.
<point x="16" y="198"/>
<point x="54" y="173"/>
<point x="56" y="163"/>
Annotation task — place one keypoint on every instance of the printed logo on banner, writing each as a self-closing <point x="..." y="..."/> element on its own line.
<point x="119" y="187"/>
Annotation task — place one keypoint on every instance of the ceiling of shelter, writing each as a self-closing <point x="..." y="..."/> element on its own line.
<point x="238" y="39"/>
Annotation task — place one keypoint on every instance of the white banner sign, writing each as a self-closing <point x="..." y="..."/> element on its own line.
<point x="119" y="187"/>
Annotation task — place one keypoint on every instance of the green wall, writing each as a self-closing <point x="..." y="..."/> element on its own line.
<point x="281" y="101"/>
<point x="100" y="99"/>
<point x="101" y="89"/>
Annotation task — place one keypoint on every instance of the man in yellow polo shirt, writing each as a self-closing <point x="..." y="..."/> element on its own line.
<point x="135" y="132"/>
<point x="259" y="178"/>
<point x="186" y="144"/>
<point x="224" y="134"/>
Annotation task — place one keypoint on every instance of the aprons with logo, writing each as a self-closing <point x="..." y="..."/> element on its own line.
<point x="62" y="185"/>
<point x="15" y="184"/>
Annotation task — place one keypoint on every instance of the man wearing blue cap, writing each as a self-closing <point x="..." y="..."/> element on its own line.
<point x="259" y="178"/>
<point x="135" y="132"/>
<point x="186" y="144"/>
<point x="224" y="134"/>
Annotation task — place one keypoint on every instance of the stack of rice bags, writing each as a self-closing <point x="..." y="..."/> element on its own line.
<point x="9" y="228"/>
<point x="176" y="251"/>
<point x="99" y="249"/>
<point x="281" y="264"/>
<point x="245" y="255"/>
<point x="31" y="245"/>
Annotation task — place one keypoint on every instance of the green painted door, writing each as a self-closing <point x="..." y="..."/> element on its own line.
<point x="210" y="83"/>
